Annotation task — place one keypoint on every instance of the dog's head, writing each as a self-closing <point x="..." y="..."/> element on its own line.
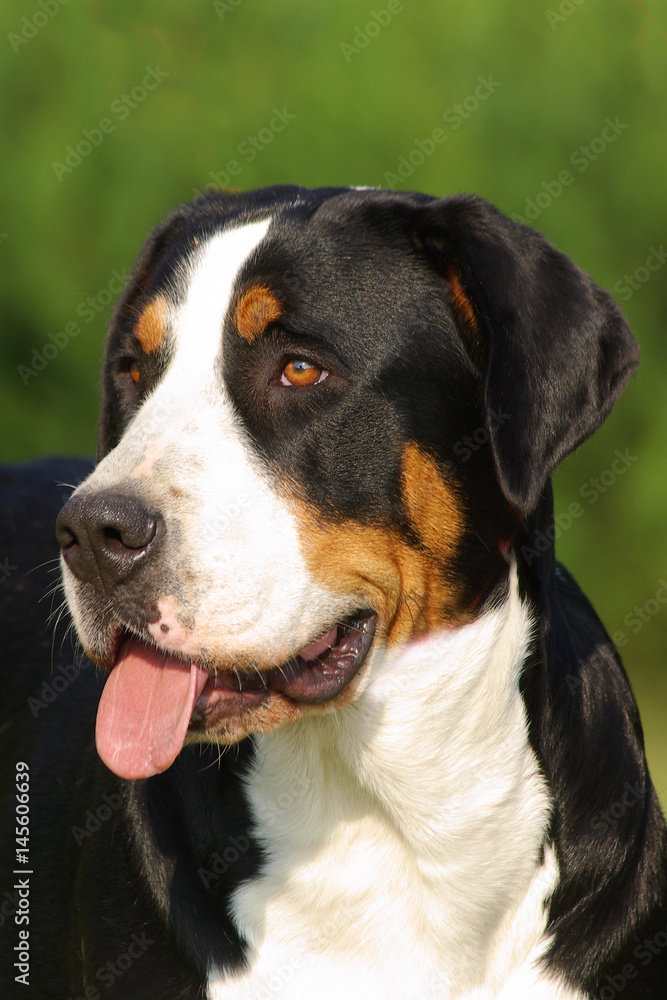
<point x="324" y="416"/>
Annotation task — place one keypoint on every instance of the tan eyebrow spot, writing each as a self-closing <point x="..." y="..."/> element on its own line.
<point x="461" y="304"/>
<point x="152" y="324"/>
<point x="256" y="308"/>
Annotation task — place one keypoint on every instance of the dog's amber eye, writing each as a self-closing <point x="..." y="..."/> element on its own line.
<point x="135" y="372"/>
<point x="302" y="373"/>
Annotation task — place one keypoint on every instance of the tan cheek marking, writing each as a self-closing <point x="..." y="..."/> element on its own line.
<point x="412" y="587"/>
<point x="152" y="324"/>
<point x="408" y="585"/>
<point x="256" y="308"/>
<point x="432" y="503"/>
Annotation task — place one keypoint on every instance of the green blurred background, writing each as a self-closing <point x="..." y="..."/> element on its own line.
<point x="170" y="94"/>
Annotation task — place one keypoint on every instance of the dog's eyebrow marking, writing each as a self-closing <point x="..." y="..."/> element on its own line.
<point x="256" y="308"/>
<point x="151" y="326"/>
<point x="461" y="304"/>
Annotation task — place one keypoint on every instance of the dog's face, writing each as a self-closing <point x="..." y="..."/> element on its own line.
<point x="324" y="415"/>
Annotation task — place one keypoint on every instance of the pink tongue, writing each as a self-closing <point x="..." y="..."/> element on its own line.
<point x="145" y="710"/>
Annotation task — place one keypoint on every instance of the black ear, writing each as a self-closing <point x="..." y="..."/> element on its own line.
<point x="558" y="352"/>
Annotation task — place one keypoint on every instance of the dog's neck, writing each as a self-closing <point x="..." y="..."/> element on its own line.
<point x="423" y="794"/>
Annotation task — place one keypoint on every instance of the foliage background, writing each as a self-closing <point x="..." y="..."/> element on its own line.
<point x="361" y="99"/>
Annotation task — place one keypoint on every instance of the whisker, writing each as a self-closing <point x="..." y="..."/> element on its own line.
<point x="61" y="612"/>
<point x="280" y="669"/>
<point x="69" y="631"/>
<point x="221" y="748"/>
<point x="51" y="592"/>
<point x="57" y="613"/>
<point x="47" y="562"/>
<point x="259" y="673"/>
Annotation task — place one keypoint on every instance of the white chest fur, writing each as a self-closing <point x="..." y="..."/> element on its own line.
<point x="403" y="835"/>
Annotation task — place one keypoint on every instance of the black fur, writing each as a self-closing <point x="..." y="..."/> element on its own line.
<point x="586" y="732"/>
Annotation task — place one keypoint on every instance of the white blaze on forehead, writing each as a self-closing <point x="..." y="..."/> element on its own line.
<point x="210" y="276"/>
<point x="168" y="415"/>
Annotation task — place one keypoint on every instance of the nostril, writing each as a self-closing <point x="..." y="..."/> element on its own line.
<point x="112" y="543"/>
<point x="66" y="538"/>
<point x="137" y="535"/>
<point x="66" y="529"/>
<point x="103" y="536"/>
<point x="130" y="526"/>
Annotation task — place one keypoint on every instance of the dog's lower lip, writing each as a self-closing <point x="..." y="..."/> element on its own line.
<point x="315" y="680"/>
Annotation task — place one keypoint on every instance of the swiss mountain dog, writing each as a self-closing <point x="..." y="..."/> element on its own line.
<point x="360" y="730"/>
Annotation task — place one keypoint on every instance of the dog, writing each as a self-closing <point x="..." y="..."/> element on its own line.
<point x="343" y="726"/>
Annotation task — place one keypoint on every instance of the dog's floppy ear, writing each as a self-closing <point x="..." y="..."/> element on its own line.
<point x="556" y="350"/>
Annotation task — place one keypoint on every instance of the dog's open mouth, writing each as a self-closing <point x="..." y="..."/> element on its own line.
<point x="152" y="698"/>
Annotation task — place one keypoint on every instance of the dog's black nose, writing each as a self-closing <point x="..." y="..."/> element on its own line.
<point x="103" y="536"/>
